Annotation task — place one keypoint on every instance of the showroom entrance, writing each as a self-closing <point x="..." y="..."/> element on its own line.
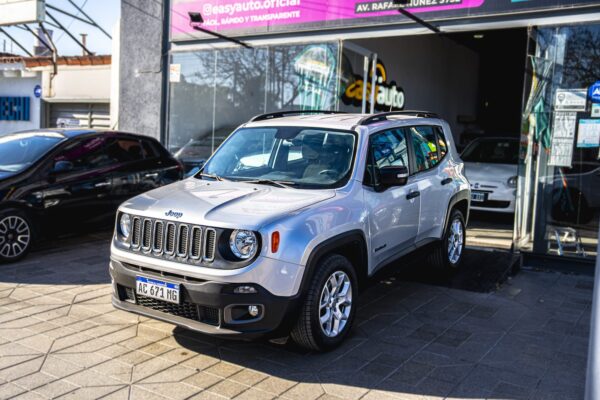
<point x="473" y="80"/>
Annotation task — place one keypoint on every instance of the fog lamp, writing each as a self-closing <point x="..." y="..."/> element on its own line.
<point x="253" y="311"/>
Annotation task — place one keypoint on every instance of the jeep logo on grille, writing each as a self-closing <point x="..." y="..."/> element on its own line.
<point x="174" y="214"/>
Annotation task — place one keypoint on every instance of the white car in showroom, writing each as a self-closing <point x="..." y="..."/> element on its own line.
<point x="491" y="166"/>
<point x="287" y="220"/>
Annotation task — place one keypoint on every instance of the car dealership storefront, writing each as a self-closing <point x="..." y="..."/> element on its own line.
<point x="502" y="68"/>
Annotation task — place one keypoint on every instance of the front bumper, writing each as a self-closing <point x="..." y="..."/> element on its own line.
<point x="497" y="199"/>
<point x="205" y="306"/>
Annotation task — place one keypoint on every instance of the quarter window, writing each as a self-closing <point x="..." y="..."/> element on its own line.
<point x="425" y="145"/>
<point x="442" y="145"/>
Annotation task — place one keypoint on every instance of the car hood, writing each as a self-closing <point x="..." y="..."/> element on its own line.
<point x="482" y="172"/>
<point x="223" y="204"/>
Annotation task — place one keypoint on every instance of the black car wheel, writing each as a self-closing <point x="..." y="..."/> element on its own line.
<point x="329" y="307"/>
<point x="447" y="254"/>
<point x="16" y="235"/>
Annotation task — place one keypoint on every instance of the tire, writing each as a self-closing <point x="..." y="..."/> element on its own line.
<point x="442" y="258"/>
<point x="16" y="235"/>
<point x="308" y="331"/>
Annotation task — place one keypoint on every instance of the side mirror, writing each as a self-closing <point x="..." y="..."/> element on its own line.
<point x="393" y="176"/>
<point x="62" y="166"/>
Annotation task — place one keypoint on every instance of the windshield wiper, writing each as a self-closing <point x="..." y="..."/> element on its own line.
<point x="281" y="184"/>
<point x="215" y="177"/>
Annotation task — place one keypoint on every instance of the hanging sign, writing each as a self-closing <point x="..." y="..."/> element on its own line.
<point x="570" y="100"/>
<point x="175" y="73"/>
<point x="588" y="134"/>
<point x="595" y="92"/>
<point x="563" y="136"/>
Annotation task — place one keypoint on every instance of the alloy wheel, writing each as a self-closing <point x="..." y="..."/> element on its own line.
<point x="15" y="236"/>
<point x="455" y="241"/>
<point x="335" y="304"/>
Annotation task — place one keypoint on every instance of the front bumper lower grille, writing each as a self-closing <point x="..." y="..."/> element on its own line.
<point x="166" y="239"/>
<point x="207" y="315"/>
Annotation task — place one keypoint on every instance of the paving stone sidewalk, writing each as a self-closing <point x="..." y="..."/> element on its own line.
<point x="61" y="338"/>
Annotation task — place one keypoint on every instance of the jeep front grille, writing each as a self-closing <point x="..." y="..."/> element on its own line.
<point x="168" y="239"/>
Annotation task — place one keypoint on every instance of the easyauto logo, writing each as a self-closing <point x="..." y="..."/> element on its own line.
<point x="388" y="96"/>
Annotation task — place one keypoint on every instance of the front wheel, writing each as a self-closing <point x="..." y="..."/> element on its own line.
<point x="448" y="252"/>
<point x="16" y="235"/>
<point x="328" y="310"/>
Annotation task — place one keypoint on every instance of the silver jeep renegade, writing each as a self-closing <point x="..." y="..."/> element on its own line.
<point x="287" y="220"/>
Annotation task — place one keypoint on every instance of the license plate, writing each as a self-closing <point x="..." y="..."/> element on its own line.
<point x="157" y="289"/>
<point x="477" y="196"/>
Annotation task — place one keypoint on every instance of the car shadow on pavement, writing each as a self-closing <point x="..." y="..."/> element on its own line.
<point x="76" y="259"/>
<point x="412" y="336"/>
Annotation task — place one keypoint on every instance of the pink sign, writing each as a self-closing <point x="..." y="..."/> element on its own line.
<point x="260" y="15"/>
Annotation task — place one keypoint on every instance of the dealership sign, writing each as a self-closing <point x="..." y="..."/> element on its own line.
<point x="249" y="17"/>
<point x="388" y="96"/>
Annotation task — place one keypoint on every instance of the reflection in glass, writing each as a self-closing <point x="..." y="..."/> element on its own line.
<point x="559" y="196"/>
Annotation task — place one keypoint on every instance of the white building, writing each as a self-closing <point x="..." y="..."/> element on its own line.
<point x="33" y="96"/>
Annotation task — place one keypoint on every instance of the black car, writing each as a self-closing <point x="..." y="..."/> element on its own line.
<point x="63" y="180"/>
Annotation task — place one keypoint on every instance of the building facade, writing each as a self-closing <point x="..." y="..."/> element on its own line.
<point x="37" y="95"/>
<point x="523" y="69"/>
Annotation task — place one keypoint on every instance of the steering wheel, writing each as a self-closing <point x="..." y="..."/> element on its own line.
<point x="328" y="171"/>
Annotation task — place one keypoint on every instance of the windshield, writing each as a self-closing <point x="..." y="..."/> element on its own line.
<point x="492" y="152"/>
<point x="18" y="151"/>
<point x="295" y="156"/>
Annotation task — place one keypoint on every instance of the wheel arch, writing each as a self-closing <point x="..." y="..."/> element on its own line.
<point x="460" y="201"/>
<point x="351" y="244"/>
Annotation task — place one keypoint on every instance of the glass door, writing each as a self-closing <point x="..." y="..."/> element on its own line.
<point x="559" y="172"/>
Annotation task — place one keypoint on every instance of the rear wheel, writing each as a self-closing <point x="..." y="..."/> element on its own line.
<point x="16" y="235"/>
<point x="448" y="252"/>
<point x="328" y="310"/>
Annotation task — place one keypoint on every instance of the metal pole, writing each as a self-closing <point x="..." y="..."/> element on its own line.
<point x="592" y="387"/>
<point x="16" y="42"/>
<point x="218" y="35"/>
<point x="373" y="83"/>
<point x="90" y="18"/>
<point x="65" y="30"/>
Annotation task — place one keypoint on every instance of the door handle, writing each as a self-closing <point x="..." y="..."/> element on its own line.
<point x="102" y="184"/>
<point x="413" y="195"/>
<point x="446" y="181"/>
<point x="153" y="175"/>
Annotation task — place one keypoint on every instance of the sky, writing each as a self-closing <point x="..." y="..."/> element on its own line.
<point x="104" y="12"/>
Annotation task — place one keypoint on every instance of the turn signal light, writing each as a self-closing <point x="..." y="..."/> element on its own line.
<point x="274" y="242"/>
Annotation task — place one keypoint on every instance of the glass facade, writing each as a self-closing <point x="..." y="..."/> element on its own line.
<point x="219" y="89"/>
<point x="559" y="170"/>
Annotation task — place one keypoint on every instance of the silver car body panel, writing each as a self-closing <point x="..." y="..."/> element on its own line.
<point x="307" y="218"/>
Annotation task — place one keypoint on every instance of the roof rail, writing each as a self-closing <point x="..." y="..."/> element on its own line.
<point x="281" y="114"/>
<point x="383" y="116"/>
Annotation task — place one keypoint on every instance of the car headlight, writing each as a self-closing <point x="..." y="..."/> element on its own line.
<point x="125" y="225"/>
<point x="243" y="244"/>
<point x="512" y="182"/>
